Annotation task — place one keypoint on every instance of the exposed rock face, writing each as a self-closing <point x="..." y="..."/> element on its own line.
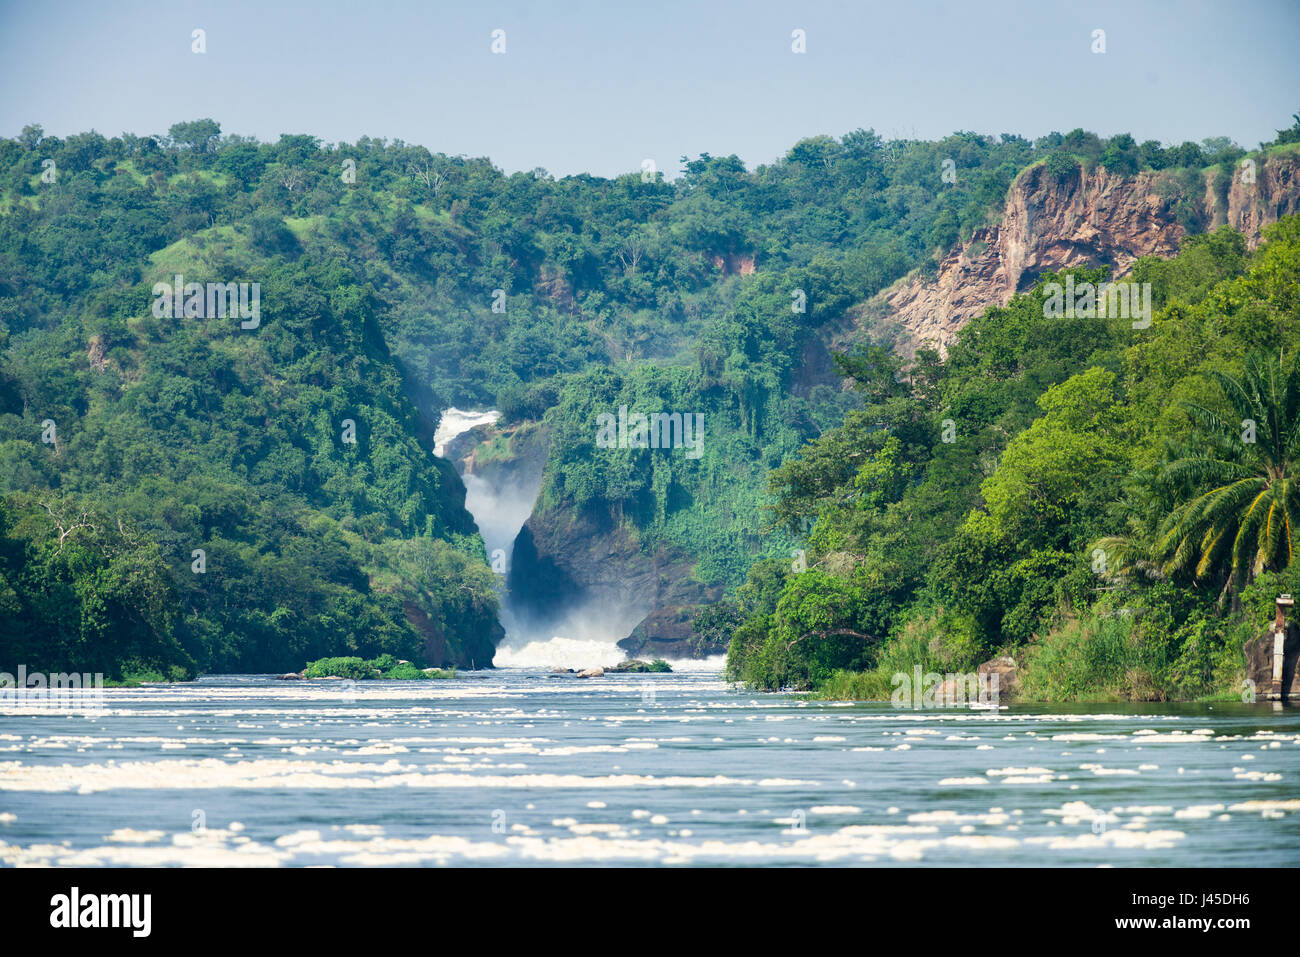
<point x="1274" y="194"/>
<point x="565" y="563"/>
<point x="667" y="633"/>
<point x="460" y="450"/>
<point x="1259" y="663"/>
<point x="734" y="263"/>
<point x="555" y="287"/>
<point x="1008" y="677"/>
<point x="96" y="355"/>
<point x="1089" y="218"/>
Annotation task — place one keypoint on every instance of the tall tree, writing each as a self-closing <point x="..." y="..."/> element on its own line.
<point x="1238" y="480"/>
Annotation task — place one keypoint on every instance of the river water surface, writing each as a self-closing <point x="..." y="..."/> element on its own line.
<point x="523" y="767"/>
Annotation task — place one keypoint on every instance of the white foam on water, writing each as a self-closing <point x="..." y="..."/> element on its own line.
<point x="711" y="665"/>
<point x="576" y="841"/>
<point x="559" y="652"/>
<point x="189" y="774"/>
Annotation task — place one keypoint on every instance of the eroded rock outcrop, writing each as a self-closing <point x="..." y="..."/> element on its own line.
<point x="1087" y="218"/>
<point x="669" y="633"/>
<point x="582" y="567"/>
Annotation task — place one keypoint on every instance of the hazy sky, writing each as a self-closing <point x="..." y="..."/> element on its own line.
<point x="599" y="86"/>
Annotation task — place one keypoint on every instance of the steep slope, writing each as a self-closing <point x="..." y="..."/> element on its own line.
<point x="1090" y="217"/>
<point x="280" y="469"/>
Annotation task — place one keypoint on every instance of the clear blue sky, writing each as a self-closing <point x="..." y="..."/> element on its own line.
<point x="598" y="85"/>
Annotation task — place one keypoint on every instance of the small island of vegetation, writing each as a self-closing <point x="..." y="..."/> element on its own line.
<point x="385" y="667"/>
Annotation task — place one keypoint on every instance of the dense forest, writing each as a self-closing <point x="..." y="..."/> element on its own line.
<point x="1115" y="508"/>
<point x="187" y="494"/>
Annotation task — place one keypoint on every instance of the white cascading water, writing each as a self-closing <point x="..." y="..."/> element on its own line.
<point x="454" y="422"/>
<point x="589" y="633"/>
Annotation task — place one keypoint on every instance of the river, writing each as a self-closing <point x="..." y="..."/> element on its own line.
<point x="523" y="767"/>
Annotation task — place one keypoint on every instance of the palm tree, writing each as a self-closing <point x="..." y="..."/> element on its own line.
<point x="1236" y="486"/>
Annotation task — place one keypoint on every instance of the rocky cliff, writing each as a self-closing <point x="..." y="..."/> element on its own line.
<point x="1090" y="217"/>
<point x="586" y="576"/>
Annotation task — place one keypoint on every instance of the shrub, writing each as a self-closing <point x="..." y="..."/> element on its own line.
<point x="405" y="672"/>
<point x="353" y="668"/>
<point x="385" y="666"/>
<point x="1093" y="657"/>
<point x="1061" y="165"/>
<point x="937" y="644"/>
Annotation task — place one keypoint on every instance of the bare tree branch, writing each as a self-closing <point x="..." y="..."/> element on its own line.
<point x="63" y="527"/>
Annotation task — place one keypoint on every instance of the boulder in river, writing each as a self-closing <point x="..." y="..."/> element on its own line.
<point x="952" y="691"/>
<point x="1008" y="676"/>
<point x="291" y="676"/>
<point x="592" y="673"/>
<point x="669" y="632"/>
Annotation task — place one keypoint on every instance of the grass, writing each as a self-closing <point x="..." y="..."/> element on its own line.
<point x="1108" y="657"/>
<point x="303" y="226"/>
<point x="196" y="254"/>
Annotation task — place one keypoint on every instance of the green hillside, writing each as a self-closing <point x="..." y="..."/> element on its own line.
<point x="395" y="282"/>
<point x="1115" y="508"/>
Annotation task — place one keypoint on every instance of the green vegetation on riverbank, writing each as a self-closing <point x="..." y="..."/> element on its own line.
<point x="1114" y="507"/>
<point x="636" y="666"/>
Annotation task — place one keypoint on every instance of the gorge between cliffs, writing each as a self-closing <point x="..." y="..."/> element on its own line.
<point x="573" y="593"/>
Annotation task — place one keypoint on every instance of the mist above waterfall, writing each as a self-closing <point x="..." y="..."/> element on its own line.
<point x="500" y="507"/>
<point x="499" y="511"/>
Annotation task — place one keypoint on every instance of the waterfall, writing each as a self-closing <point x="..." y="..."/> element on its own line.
<point x="499" y="512"/>
<point x="585" y="636"/>
<point x="454" y="422"/>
